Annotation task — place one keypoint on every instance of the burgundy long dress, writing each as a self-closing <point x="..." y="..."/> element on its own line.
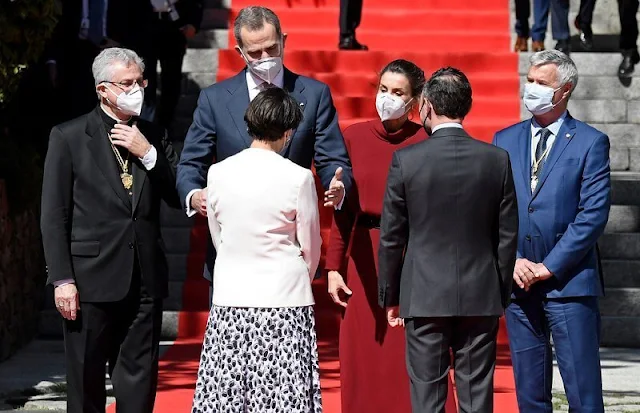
<point x="372" y="354"/>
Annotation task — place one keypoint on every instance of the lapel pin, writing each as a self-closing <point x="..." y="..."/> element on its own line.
<point x="568" y="135"/>
<point x="301" y="103"/>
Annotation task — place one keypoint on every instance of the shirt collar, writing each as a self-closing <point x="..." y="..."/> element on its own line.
<point x="254" y="82"/>
<point x="111" y="117"/>
<point x="446" y="125"/>
<point x="554" y="128"/>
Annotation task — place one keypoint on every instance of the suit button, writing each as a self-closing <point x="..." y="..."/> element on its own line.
<point x="131" y="245"/>
<point x="135" y="219"/>
<point x="528" y="237"/>
<point x="531" y="210"/>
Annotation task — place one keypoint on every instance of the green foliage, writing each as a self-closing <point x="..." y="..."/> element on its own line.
<point x="25" y="27"/>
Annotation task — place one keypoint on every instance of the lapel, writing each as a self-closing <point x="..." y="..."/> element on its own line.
<point x="295" y="89"/>
<point x="524" y="142"/>
<point x="139" y="176"/>
<point x="565" y="134"/>
<point x="103" y="156"/>
<point x="238" y="104"/>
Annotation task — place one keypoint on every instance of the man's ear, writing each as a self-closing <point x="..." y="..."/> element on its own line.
<point x="101" y="89"/>
<point x="237" y="48"/>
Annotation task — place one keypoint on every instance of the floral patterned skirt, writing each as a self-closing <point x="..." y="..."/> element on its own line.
<point x="259" y="360"/>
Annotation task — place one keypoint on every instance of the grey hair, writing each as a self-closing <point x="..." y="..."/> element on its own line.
<point x="102" y="67"/>
<point x="253" y="18"/>
<point x="567" y="70"/>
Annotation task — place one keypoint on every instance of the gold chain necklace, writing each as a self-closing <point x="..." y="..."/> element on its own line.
<point x="125" y="176"/>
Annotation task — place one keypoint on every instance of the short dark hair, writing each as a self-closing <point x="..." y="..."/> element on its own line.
<point x="411" y="71"/>
<point x="449" y="91"/>
<point x="270" y="114"/>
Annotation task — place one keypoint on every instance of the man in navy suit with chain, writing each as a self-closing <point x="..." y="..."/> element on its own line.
<point x="563" y="186"/>
<point x="219" y="131"/>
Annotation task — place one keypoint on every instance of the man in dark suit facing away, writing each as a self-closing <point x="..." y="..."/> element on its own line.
<point x="447" y="250"/>
<point x="105" y="176"/>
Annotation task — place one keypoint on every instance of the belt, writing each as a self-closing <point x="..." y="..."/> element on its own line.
<point x="369" y="221"/>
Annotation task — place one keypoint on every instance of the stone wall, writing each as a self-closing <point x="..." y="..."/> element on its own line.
<point x="22" y="276"/>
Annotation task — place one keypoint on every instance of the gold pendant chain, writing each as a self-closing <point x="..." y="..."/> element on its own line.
<point x="125" y="176"/>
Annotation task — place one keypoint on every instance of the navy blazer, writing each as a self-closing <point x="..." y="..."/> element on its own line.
<point x="219" y="131"/>
<point x="561" y="221"/>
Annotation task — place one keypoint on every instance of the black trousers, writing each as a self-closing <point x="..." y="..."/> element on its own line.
<point x="629" y="33"/>
<point x="126" y="336"/>
<point x="473" y="343"/>
<point x="585" y="14"/>
<point x="523" y="11"/>
<point x="350" y="16"/>
<point x="168" y="46"/>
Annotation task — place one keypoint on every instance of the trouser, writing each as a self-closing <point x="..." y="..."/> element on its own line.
<point x="350" y="16"/>
<point x="523" y="11"/>
<point x="124" y="334"/>
<point x="559" y="19"/>
<point x="167" y="47"/>
<point x="629" y="33"/>
<point x="574" y="324"/>
<point x="473" y="342"/>
<point x="585" y="14"/>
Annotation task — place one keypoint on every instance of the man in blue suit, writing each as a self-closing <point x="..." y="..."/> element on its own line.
<point x="562" y="178"/>
<point x="219" y="131"/>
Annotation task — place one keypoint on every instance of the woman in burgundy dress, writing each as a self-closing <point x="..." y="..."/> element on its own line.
<point x="372" y="354"/>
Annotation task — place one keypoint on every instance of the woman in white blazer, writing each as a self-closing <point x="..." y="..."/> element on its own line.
<point x="260" y="351"/>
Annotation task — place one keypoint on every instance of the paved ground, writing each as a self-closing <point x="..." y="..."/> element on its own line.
<point x="33" y="380"/>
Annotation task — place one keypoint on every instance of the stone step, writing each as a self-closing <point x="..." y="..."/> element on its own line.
<point x="623" y="218"/>
<point x="620" y="332"/>
<point x="625" y="188"/>
<point x="621" y="273"/>
<point x="51" y="324"/>
<point x="212" y="36"/>
<point x="621" y="302"/>
<point x="620" y="246"/>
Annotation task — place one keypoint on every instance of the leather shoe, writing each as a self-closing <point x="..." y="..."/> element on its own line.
<point x="630" y="58"/>
<point x="564" y="46"/>
<point x="585" y="35"/>
<point x="521" y="45"/>
<point x="350" y="43"/>
<point x="537" y="46"/>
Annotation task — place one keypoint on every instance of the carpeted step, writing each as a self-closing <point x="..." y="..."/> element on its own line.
<point x="470" y="6"/>
<point x="296" y="18"/>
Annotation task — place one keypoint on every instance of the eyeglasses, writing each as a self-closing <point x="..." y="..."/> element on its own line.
<point x="128" y="84"/>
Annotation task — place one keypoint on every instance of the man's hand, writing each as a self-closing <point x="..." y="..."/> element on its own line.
<point x="333" y="197"/>
<point x="199" y="202"/>
<point x="524" y="273"/>
<point x="130" y="138"/>
<point x="393" y="317"/>
<point x="189" y="31"/>
<point x="67" y="301"/>
<point x="541" y="272"/>
<point x="336" y="284"/>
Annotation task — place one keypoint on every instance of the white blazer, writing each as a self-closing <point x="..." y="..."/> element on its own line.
<point x="264" y="221"/>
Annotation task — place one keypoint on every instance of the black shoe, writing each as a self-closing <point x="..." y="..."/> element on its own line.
<point x="585" y="36"/>
<point x="564" y="46"/>
<point x="350" y="43"/>
<point x="630" y="58"/>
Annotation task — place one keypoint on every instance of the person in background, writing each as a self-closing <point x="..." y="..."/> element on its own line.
<point x="218" y="130"/>
<point x="559" y="10"/>
<point x="583" y="23"/>
<point x="260" y="351"/>
<point x="171" y="24"/>
<point x="627" y="10"/>
<point x="350" y="16"/>
<point x="523" y="11"/>
<point x="448" y="237"/>
<point x="105" y="175"/>
<point x="563" y="184"/>
<point x="372" y="355"/>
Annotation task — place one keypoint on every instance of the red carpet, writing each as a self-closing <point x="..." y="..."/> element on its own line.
<point x="470" y="35"/>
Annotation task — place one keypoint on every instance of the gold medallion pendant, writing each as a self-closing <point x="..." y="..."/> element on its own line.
<point x="127" y="180"/>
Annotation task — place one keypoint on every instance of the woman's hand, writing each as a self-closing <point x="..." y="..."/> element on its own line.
<point x="336" y="284"/>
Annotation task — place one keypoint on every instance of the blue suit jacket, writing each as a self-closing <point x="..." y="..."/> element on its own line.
<point x="562" y="220"/>
<point x="219" y="131"/>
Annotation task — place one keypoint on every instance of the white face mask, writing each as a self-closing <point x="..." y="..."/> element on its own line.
<point x="130" y="102"/>
<point x="266" y="68"/>
<point x="538" y="99"/>
<point x="390" y="107"/>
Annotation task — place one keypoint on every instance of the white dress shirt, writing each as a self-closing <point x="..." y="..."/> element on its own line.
<point x="554" y="128"/>
<point x="264" y="221"/>
<point x="446" y="125"/>
<point x="148" y="161"/>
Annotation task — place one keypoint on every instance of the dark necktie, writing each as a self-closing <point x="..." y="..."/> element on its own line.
<point x="542" y="148"/>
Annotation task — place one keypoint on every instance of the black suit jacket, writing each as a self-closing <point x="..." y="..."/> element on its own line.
<point x="92" y="229"/>
<point x="448" y="228"/>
